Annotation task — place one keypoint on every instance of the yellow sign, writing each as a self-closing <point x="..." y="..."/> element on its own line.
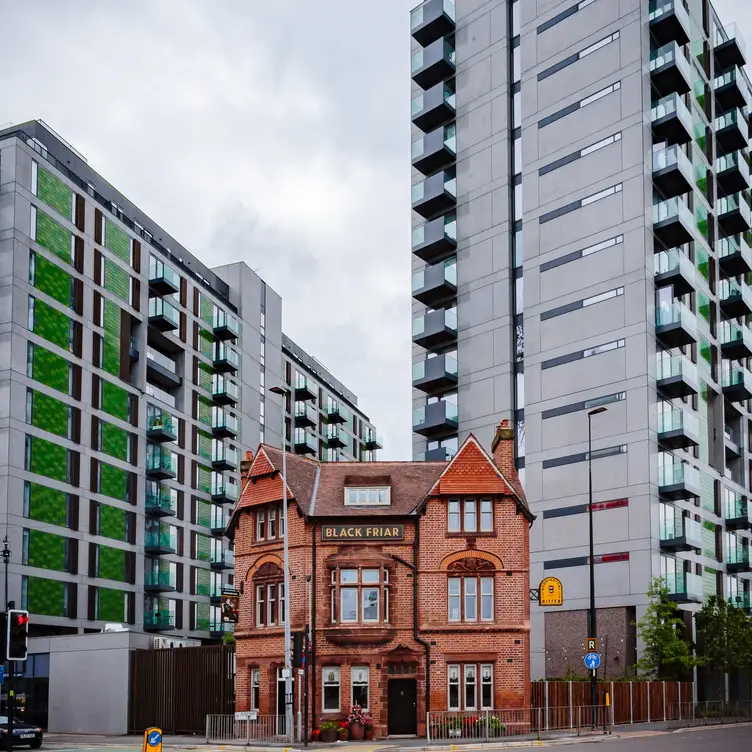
<point x="152" y="740"/>
<point x="551" y="592"/>
<point x="592" y="645"/>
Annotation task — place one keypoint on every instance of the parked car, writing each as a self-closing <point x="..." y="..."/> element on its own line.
<point x="24" y="734"/>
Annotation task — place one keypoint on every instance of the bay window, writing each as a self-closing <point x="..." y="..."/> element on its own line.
<point x="359" y="595"/>
<point x="470" y="686"/>
<point x="470" y="516"/>
<point x="463" y="594"/>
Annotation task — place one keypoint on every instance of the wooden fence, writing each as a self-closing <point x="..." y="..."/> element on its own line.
<point x="176" y="688"/>
<point x="633" y="702"/>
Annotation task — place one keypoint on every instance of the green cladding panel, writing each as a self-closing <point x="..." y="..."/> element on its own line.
<point x="117" y="281"/>
<point x="203" y="516"/>
<point x="115" y="441"/>
<point x="54" y="237"/>
<point x="204" y="444"/>
<point x="47" y="550"/>
<point x="203" y="617"/>
<point x="55" y="193"/>
<point x="205" y="376"/>
<point x="113" y="481"/>
<point x="206" y="310"/>
<point x="709" y="582"/>
<point x="204" y="410"/>
<point x="203" y="582"/>
<point x="206" y="343"/>
<point x="204" y="479"/>
<point x="45" y="597"/>
<point x="708" y="539"/>
<point x="49" y="368"/>
<point x="47" y="504"/>
<point x="47" y="458"/>
<point x="115" y="401"/>
<point x="112" y="522"/>
<point x="112" y="563"/>
<point x="50" y="279"/>
<point x="50" y="414"/>
<point x="111" y="344"/>
<point x="117" y="241"/>
<point x="203" y="547"/>
<point x="51" y="324"/>
<point x="111" y="605"/>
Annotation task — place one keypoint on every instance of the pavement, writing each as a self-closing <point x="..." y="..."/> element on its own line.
<point x="624" y="739"/>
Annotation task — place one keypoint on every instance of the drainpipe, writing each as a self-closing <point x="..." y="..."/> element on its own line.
<point x="314" y="673"/>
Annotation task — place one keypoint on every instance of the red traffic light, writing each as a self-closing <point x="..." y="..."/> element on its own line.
<point x="22" y="619"/>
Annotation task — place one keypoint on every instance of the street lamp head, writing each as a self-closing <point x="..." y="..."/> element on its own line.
<point x="281" y="390"/>
<point x="597" y="410"/>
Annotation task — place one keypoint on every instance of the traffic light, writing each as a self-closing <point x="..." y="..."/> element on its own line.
<point x="17" y="635"/>
<point x="298" y="641"/>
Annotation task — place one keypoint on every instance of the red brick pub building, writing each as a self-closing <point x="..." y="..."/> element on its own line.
<point x="413" y="577"/>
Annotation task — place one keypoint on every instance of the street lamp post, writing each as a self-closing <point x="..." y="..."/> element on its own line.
<point x="286" y="615"/>
<point x="592" y="631"/>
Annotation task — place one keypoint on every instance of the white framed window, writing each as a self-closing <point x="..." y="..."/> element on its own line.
<point x="471" y="677"/>
<point x="255" y="688"/>
<point x="471" y="599"/>
<point x="453" y="516"/>
<point x="359" y="684"/>
<point x="486" y="686"/>
<point x="271" y="605"/>
<point x="453" y="687"/>
<point x="272" y="522"/>
<point x="471" y="516"/>
<point x="370" y="603"/>
<point x="376" y="496"/>
<point x="282" y="520"/>
<point x="486" y="599"/>
<point x="486" y="516"/>
<point x="260" y="613"/>
<point x="330" y="701"/>
<point x="454" y="599"/>
<point x="282" y="602"/>
<point x="348" y="607"/>
<point x="463" y="690"/>
<point x="260" y="524"/>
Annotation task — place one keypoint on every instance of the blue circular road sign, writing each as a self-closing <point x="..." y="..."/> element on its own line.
<point x="154" y="738"/>
<point x="592" y="661"/>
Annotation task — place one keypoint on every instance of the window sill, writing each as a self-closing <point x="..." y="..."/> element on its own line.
<point x="359" y="634"/>
<point x="492" y="534"/>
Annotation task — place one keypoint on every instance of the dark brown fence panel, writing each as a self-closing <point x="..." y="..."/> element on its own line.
<point x="176" y="688"/>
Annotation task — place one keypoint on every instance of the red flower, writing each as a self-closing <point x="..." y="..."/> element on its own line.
<point x="343" y="724"/>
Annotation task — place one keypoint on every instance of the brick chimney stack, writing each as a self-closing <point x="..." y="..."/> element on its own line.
<point x="502" y="448"/>
<point x="245" y="464"/>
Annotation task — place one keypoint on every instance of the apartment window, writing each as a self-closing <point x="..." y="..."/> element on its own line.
<point x="359" y="595"/>
<point x="255" y="688"/>
<point x="462" y="516"/>
<point x="359" y="682"/>
<point x="569" y="109"/>
<point x="464" y="692"/>
<point x="463" y="598"/>
<point x="331" y="693"/>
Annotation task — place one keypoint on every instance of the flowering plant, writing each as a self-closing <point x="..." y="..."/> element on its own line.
<point x="316" y="733"/>
<point x="357" y="715"/>
<point x="343" y="724"/>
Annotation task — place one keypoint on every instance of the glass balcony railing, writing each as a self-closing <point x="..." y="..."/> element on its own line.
<point x="450" y="367"/>
<point x="671" y="156"/>
<point x="733" y="202"/>
<point x="731" y="333"/>
<point x="162" y="422"/>
<point x="740" y="600"/>
<point x="450" y="321"/>
<point x="418" y="190"/>
<point x="418" y="60"/>
<point x="683" y="584"/>
<point x="733" y="117"/>
<point x="672" y="208"/>
<point x="733" y="160"/>
<point x="732" y="76"/>
<point x="670" y="53"/>
<point x="738" y="555"/>
<point x="217" y="626"/>
<point x="225" y="354"/>
<point x="450" y="142"/>
<point x="675" y="313"/>
<point x="306" y="410"/>
<point x="160" y="579"/>
<point x="161" y="498"/>
<point x="303" y="382"/>
<point x="222" y="420"/>
<point x="158" y="270"/>
<point x="219" y="518"/>
<point x="728" y="290"/>
<point x="223" y="556"/>
<point x="450" y="276"/>
<point x="416" y="15"/>
<point x="734" y="375"/>
<point x="221" y="486"/>
<point x="160" y="308"/>
<point x="223" y="453"/>
<point x="163" y="537"/>
<point x="671" y="261"/>
<point x="678" y="419"/>
<point x="732" y="245"/>
<point x="304" y="438"/>
<point x="672" y="104"/>
<point x="159" y="620"/>
<point x="161" y="360"/>
<point x="449" y="96"/>
<point x="731" y="33"/>
<point x="678" y="473"/>
<point x="451" y="413"/>
<point x="450" y="231"/>
<point x="160" y="459"/>
<point x="226" y="321"/>
<point x="735" y="506"/>
<point x="676" y="525"/>
<point x="222" y="386"/>
<point x="675" y="365"/>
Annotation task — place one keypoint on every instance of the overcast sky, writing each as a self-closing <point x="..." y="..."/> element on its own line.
<point x="274" y="132"/>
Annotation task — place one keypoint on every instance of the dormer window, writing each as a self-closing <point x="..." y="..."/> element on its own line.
<point x="368" y="496"/>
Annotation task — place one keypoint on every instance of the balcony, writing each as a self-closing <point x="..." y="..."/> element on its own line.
<point x="306" y="414"/>
<point x="222" y="490"/>
<point x="729" y="48"/>
<point x="161" y="426"/>
<point x="439" y="454"/>
<point x="737" y="559"/>
<point x="222" y="559"/>
<point x="156" y="581"/>
<point x="431" y="20"/>
<point x="162" y="370"/>
<point x="672" y="171"/>
<point x="732" y="172"/>
<point x="224" y="391"/>
<point x="673" y="223"/>
<point x="161" y="463"/>
<point x="434" y="107"/>
<point x="436" y="420"/>
<point x="734" y="255"/>
<point x="684" y="587"/>
<point x="676" y="375"/>
<point x="730" y="91"/>
<point x="161" y="539"/>
<point x="436" y="328"/>
<point x="218" y="629"/>
<point x="673" y="268"/>
<point x="305" y="389"/>
<point x="336" y="438"/>
<point x="163" y="315"/>
<point x="226" y="360"/>
<point x="678" y="428"/>
<point x="160" y="501"/>
<point x="436" y="150"/>
<point x="373" y="440"/>
<point x="224" y="425"/>
<point x="736" y="341"/>
<point x="672" y="120"/>
<point x="436" y="240"/>
<point x="735" y="299"/>
<point x="433" y="64"/>
<point x="731" y="131"/>
<point x="675" y="325"/>
<point x="435" y="195"/>
<point x="436" y="284"/>
<point x="224" y="457"/>
<point x="226" y="326"/>
<point x="732" y="443"/>
<point x="678" y="480"/>
<point x="305" y="442"/>
<point x="163" y="280"/>
<point x="737" y="382"/>
<point x="219" y="521"/>
<point x="215" y="595"/>
<point x="741" y="600"/>
<point x="677" y="532"/>
<point x="669" y="70"/>
<point x="435" y="375"/>
<point x="158" y="621"/>
<point x="335" y="412"/>
<point x="737" y="511"/>
<point x="669" y="21"/>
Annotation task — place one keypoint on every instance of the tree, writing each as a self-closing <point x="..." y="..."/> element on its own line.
<point x="666" y="654"/>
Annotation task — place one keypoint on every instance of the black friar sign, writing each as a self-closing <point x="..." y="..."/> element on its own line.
<point x="348" y="533"/>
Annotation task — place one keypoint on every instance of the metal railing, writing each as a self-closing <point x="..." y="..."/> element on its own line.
<point x="709" y="713"/>
<point x="254" y="727"/>
<point x="487" y="725"/>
